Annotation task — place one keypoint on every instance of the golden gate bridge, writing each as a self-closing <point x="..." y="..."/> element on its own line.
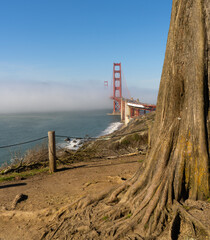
<point x="126" y="107"/>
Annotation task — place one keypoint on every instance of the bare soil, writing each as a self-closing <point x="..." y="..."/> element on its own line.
<point x="33" y="206"/>
<point x="46" y="194"/>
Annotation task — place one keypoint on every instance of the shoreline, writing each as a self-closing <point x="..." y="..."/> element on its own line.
<point x="18" y="128"/>
<point x="61" y="147"/>
<point x="125" y="140"/>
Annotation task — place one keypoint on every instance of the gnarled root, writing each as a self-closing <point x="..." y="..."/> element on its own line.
<point x="182" y="215"/>
<point x="140" y="207"/>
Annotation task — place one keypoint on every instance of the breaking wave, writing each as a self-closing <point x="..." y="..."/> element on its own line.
<point x="75" y="144"/>
<point x="111" y="128"/>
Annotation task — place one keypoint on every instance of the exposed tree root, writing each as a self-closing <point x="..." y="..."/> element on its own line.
<point x="195" y="223"/>
<point x="177" y="165"/>
<point x="143" y="204"/>
<point x="45" y="214"/>
<point x="107" y="217"/>
<point x="101" y="221"/>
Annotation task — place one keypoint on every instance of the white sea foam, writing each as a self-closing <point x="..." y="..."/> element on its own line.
<point x="111" y="128"/>
<point x="72" y="123"/>
<point x="75" y="144"/>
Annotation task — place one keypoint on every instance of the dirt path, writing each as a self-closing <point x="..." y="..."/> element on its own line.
<point x="48" y="193"/>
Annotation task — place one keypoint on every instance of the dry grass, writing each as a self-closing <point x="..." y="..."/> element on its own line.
<point x="34" y="158"/>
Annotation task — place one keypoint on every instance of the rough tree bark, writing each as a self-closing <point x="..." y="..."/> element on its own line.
<point x="177" y="166"/>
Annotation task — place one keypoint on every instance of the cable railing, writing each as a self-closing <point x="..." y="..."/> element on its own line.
<point x="68" y="138"/>
<point x="52" y="143"/>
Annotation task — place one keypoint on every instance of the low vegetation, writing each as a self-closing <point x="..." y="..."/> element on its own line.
<point x="21" y="176"/>
<point x="130" y="139"/>
<point x="33" y="159"/>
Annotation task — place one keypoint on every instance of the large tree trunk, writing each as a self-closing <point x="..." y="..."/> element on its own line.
<point x="183" y="101"/>
<point x="177" y="166"/>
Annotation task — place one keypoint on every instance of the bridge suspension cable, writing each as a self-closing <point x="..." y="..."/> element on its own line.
<point x="126" y="87"/>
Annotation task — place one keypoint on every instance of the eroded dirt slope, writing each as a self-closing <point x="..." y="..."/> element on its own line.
<point x="46" y="194"/>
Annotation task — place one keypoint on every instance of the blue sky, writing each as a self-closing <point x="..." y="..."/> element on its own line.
<point x="74" y="44"/>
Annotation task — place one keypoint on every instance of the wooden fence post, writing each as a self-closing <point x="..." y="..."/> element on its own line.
<point x="52" y="151"/>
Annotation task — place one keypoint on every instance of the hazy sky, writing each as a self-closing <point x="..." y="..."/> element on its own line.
<point x="63" y="51"/>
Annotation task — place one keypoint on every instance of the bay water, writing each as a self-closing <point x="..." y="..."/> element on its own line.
<point x="23" y="127"/>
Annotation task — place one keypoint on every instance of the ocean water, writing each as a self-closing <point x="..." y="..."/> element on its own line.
<point x="18" y="128"/>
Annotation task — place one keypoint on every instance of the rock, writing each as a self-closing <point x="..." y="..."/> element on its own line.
<point x="19" y="198"/>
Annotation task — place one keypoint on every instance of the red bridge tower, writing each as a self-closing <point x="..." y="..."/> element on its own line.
<point x="117" y="88"/>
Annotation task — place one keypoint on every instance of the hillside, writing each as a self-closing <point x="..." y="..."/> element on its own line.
<point x="127" y="140"/>
<point x="32" y="207"/>
<point x="32" y="197"/>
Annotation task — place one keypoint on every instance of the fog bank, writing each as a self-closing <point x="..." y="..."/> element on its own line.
<point x="47" y="97"/>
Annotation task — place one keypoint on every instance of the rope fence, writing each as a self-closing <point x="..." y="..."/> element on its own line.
<point x="22" y="143"/>
<point x="52" y="145"/>
<point x="41" y="138"/>
<point x="72" y="137"/>
<point x="68" y="138"/>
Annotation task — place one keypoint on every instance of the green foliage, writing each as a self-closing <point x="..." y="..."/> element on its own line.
<point x="116" y="145"/>
<point x="12" y="176"/>
<point x="125" y="142"/>
<point x="130" y="140"/>
<point x="146" y="226"/>
<point x="105" y="218"/>
<point x="187" y="208"/>
<point x="129" y="215"/>
<point x="140" y="160"/>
